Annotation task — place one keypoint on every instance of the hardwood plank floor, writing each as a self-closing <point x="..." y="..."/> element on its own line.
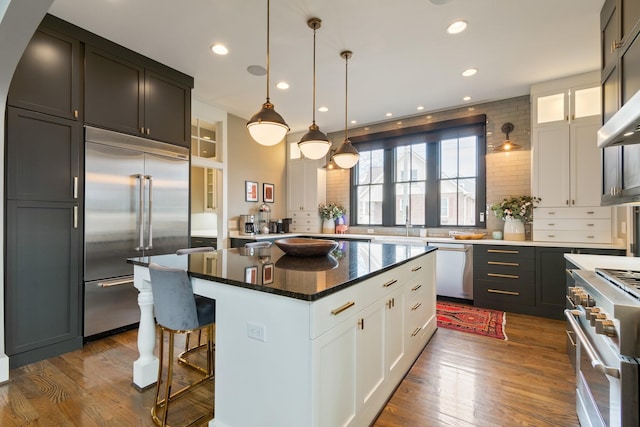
<point x="459" y="380"/>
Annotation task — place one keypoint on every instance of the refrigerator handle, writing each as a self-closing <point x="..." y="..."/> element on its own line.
<point x="150" y="210"/>
<point x="140" y="216"/>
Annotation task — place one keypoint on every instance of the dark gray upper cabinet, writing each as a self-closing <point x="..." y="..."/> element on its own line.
<point x="125" y="96"/>
<point x="43" y="157"/>
<point x="114" y="92"/>
<point x="47" y="78"/>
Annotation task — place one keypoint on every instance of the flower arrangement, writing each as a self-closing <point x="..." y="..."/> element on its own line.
<point x="331" y="210"/>
<point x="515" y="207"/>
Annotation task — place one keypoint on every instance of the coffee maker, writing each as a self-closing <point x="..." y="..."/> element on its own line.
<point x="247" y="225"/>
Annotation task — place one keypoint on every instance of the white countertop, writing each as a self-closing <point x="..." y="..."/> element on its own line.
<point x="590" y="262"/>
<point x="424" y="240"/>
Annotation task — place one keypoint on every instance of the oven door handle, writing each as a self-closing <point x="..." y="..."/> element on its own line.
<point x="596" y="362"/>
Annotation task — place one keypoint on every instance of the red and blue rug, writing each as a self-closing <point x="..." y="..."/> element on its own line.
<point x="465" y="318"/>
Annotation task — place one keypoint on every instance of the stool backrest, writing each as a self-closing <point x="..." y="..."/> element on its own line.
<point x="173" y="300"/>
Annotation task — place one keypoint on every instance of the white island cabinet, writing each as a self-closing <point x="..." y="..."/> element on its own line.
<point x="328" y="361"/>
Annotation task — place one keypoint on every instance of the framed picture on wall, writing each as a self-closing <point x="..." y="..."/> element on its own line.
<point x="251" y="191"/>
<point x="268" y="193"/>
<point x="267" y="274"/>
<point x="251" y="275"/>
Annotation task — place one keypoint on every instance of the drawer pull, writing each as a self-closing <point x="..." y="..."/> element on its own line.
<point x="416" y="268"/>
<point x="591" y="237"/>
<point x="415" y="307"/>
<point x="342" y="308"/>
<point x="502" y="251"/>
<point x="389" y="283"/>
<point x="551" y="224"/>
<point x="498" y="291"/>
<point x="511" y="264"/>
<point x="590" y="212"/>
<point x="414" y="333"/>
<point x="504" y="276"/>
<point x="551" y="235"/>
<point x="590" y="225"/>
<point x="551" y="213"/>
<point x="416" y="287"/>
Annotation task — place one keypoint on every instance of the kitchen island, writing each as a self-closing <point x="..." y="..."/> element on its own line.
<point x="304" y="341"/>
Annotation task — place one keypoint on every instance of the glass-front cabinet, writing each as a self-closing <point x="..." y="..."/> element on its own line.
<point x="568" y="105"/>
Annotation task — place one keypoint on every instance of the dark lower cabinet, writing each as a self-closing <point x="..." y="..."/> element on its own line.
<point x="43" y="277"/>
<point x="527" y="280"/>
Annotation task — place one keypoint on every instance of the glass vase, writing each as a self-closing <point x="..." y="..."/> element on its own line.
<point x="513" y="229"/>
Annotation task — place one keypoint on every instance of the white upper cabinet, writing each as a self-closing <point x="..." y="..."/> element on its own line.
<point x="567" y="104"/>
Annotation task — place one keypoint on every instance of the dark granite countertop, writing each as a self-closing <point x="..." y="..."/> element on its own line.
<point x="271" y="270"/>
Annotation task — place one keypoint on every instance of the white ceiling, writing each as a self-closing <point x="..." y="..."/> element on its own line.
<point x="402" y="56"/>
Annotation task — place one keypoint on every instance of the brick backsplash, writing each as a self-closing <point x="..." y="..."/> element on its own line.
<point x="508" y="174"/>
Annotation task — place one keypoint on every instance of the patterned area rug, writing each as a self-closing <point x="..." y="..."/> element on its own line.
<point x="480" y="321"/>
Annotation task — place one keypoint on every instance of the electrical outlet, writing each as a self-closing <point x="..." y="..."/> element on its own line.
<point x="256" y="331"/>
<point x="370" y="230"/>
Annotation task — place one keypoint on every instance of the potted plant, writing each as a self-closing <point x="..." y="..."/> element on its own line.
<point x="329" y="213"/>
<point x="515" y="211"/>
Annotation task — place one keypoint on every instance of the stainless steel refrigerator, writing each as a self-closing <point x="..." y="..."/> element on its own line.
<point x="136" y="204"/>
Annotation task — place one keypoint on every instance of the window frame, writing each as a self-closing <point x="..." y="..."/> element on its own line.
<point x="430" y="133"/>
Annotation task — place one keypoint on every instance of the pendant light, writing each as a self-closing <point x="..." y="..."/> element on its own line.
<point x="507" y="145"/>
<point x="267" y="127"/>
<point x="314" y="144"/>
<point x="346" y="156"/>
<point x="331" y="165"/>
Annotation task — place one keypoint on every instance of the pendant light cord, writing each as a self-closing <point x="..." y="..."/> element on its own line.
<point x="268" y="8"/>
<point x="346" y="87"/>
<point x="313" y="113"/>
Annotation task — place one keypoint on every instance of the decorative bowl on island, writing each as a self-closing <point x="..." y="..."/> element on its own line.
<point x="301" y="247"/>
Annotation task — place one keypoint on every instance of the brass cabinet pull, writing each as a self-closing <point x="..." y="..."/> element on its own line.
<point x="415" y="307"/>
<point x="141" y="130"/>
<point x="497" y="291"/>
<point x="342" y="308"/>
<point x="502" y="251"/>
<point x="389" y="283"/>
<point x="361" y="323"/>
<point x="414" y="333"/>
<point x="75" y="114"/>
<point x="416" y="287"/>
<point x="590" y="212"/>
<point x="590" y="225"/>
<point x="75" y="187"/>
<point x="148" y="131"/>
<point x="512" y="264"/>
<point x="75" y="217"/>
<point x="551" y="213"/>
<point x="416" y="268"/>
<point x="391" y="303"/>
<point x="505" y="276"/>
<point x="569" y="335"/>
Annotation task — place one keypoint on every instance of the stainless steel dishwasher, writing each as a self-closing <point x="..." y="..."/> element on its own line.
<point x="454" y="270"/>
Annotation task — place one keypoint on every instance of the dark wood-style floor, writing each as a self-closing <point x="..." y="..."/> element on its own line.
<point x="459" y="380"/>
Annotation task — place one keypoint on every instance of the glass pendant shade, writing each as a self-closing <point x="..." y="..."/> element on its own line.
<point x="267" y="127"/>
<point x="314" y="144"/>
<point x="346" y="156"/>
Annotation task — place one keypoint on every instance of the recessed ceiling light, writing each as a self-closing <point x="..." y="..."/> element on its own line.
<point x="256" y="70"/>
<point x="420" y="108"/>
<point x="389" y="114"/>
<point x="353" y="122"/>
<point x="283" y="85"/>
<point x="466" y="98"/>
<point x="219" y="49"/>
<point x="469" y="72"/>
<point x="457" y="27"/>
<point x="628" y="134"/>
<point x="323" y="109"/>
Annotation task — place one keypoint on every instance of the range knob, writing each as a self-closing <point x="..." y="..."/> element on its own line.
<point x="590" y="310"/>
<point x="580" y="297"/>
<point x="605" y="327"/>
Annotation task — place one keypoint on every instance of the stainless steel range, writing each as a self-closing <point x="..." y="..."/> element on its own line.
<point x="604" y="315"/>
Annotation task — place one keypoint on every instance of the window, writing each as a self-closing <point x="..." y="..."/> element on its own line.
<point x="430" y="175"/>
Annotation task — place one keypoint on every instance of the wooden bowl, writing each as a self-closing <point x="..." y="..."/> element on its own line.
<point x="297" y="246"/>
<point x="470" y="236"/>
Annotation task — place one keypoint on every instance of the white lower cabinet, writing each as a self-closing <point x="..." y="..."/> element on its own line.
<point x="360" y="360"/>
